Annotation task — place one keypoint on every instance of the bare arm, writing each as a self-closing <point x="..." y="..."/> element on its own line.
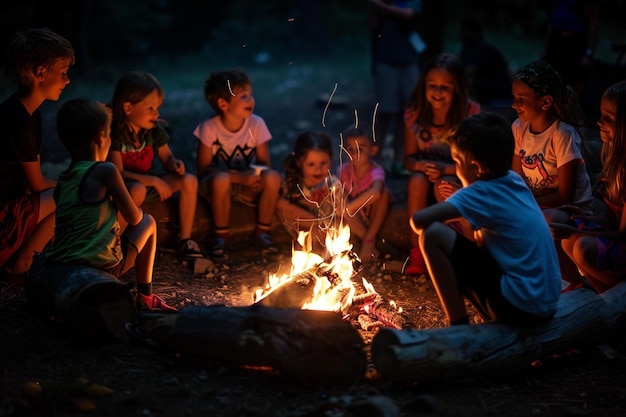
<point x="516" y="165"/>
<point x="34" y="177"/>
<point x="411" y="148"/>
<point x="565" y="231"/>
<point x="566" y="192"/>
<point x="111" y="179"/>
<point x="203" y="159"/>
<point x="439" y="212"/>
<point x="169" y="161"/>
<point x="263" y="154"/>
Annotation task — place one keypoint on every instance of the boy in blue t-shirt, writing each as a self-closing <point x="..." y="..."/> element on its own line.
<point x="510" y="272"/>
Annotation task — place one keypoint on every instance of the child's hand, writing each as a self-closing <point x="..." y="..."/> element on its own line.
<point x="478" y="237"/>
<point x="433" y="171"/>
<point x="176" y="166"/>
<point x="446" y="189"/>
<point x="250" y="180"/>
<point x="562" y="231"/>
<point x="162" y="188"/>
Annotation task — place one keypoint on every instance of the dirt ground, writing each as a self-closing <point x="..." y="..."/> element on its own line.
<point x="45" y="372"/>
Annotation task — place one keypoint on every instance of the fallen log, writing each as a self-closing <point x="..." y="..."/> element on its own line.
<point x="89" y="304"/>
<point x="316" y="346"/>
<point x="296" y="290"/>
<point x="464" y="352"/>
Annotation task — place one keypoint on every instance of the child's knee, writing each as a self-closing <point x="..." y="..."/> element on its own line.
<point x="417" y="181"/>
<point x="147" y="223"/>
<point x="271" y="179"/>
<point x="190" y="184"/>
<point x="137" y="191"/>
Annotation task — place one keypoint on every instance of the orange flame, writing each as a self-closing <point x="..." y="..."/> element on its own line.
<point x="327" y="296"/>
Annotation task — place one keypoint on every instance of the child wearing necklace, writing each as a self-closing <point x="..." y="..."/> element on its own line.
<point x="439" y="102"/>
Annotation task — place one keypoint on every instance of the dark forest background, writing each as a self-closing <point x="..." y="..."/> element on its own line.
<point x="160" y="32"/>
<point x="296" y="52"/>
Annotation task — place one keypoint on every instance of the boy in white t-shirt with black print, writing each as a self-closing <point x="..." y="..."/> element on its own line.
<point x="229" y="144"/>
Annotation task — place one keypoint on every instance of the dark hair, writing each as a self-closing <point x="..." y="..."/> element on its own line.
<point x="489" y="139"/>
<point x="36" y="47"/>
<point x="305" y="142"/>
<point x="79" y="121"/>
<point x="133" y="87"/>
<point x="220" y="84"/>
<point x="544" y="80"/>
<point x="460" y="102"/>
<point x="359" y="131"/>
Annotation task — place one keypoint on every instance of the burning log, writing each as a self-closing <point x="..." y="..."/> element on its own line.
<point x="298" y="289"/>
<point x="472" y="351"/>
<point x="316" y="346"/>
<point x="381" y="312"/>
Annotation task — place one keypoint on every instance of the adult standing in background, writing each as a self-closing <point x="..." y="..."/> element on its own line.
<point x="486" y="67"/>
<point x="572" y="33"/>
<point x="396" y="51"/>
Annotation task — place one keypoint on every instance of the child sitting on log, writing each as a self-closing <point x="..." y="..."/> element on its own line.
<point x="88" y="195"/>
<point x="41" y="60"/>
<point x="510" y="272"/>
<point x="597" y="244"/>
<point x="367" y="198"/>
<point x="229" y="142"/>
<point x="310" y="191"/>
<point x="138" y="138"/>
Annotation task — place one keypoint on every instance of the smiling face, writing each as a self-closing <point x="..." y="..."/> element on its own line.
<point x="606" y="122"/>
<point x="55" y="78"/>
<point x="314" y="167"/>
<point x="240" y="105"/>
<point x="440" y="88"/>
<point x="526" y="103"/>
<point x="143" y="114"/>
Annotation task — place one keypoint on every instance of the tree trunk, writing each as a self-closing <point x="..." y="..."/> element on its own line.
<point x="472" y="351"/>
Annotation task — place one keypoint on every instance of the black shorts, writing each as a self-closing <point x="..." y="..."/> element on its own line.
<point x="479" y="279"/>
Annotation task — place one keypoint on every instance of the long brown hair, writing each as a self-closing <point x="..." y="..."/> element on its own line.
<point x="613" y="152"/>
<point x="460" y="102"/>
<point x="132" y="87"/>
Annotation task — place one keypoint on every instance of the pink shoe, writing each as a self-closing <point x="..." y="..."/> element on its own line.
<point x="416" y="264"/>
<point x="153" y="302"/>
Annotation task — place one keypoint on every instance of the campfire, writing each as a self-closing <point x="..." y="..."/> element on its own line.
<point x="327" y="284"/>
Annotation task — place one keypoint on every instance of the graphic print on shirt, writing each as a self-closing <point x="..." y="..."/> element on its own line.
<point x="239" y="160"/>
<point x="535" y="163"/>
<point x="138" y="159"/>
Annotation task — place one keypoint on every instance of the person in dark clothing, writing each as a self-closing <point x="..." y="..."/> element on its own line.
<point x="396" y="54"/>
<point x="572" y="34"/>
<point x="486" y="68"/>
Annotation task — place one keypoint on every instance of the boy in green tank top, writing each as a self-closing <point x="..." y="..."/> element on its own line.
<point x="90" y="194"/>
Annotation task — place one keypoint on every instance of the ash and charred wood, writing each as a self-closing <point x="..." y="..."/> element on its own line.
<point x="316" y="346"/>
<point x="464" y="352"/>
<point x="366" y="299"/>
<point x="374" y="305"/>
<point x="296" y="290"/>
<point x="389" y="315"/>
<point x="367" y="323"/>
